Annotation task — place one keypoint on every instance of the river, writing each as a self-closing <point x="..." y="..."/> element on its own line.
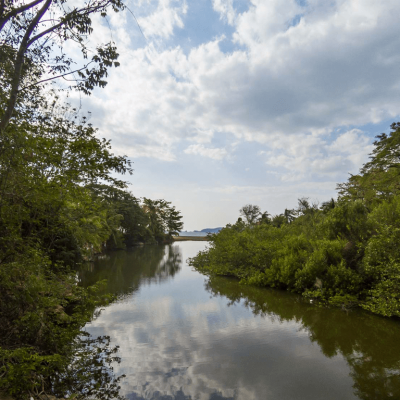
<point x="183" y="336"/>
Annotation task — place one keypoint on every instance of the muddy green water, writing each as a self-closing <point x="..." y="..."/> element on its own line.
<point x="184" y="336"/>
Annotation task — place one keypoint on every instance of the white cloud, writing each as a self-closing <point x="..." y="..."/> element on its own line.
<point x="162" y="22"/>
<point x="297" y="76"/>
<point x="214" y="153"/>
<point x="225" y="9"/>
<point x="274" y="191"/>
<point x="334" y="68"/>
<point x="265" y="21"/>
<point x="308" y="156"/>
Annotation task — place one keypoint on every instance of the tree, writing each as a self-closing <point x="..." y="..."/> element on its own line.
<point x="380" y="177"/>
<point x="278" y="220"/>
<point x="328" y="205"/>
<point x="265" y="218"/>
<point x="251" y="213"/>
<point x="154" y="209"/>
<point x="44" y="187"/>
<point x="290" y="215"/>
<point x="32" y="42"/>
<point x="163" y="219"/>
<point x="173" y="221"/>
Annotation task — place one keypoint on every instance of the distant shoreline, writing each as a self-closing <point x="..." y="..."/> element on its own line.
<point x="190" y="238"/>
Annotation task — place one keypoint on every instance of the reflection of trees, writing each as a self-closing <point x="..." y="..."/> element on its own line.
<point x="125" y="271"/>
<point x="90" y="373"/>
<point x="369" y="343"/>
<point x="169" y="266"/>
<point x="179" y="395"/>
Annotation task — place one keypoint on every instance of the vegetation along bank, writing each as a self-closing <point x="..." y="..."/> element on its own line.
<point x="345" y="252"/>
<point x="61" y="202"/>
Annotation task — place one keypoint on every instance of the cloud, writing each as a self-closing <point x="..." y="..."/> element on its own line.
<point x="311" y="156"/>
<point x="264" y="22"/>
<point x="335" y="66"/>
<point x="297" y="84"/>
<point x="214" y="153"/>
<point x="225" y="9"/>
<point x="164" y="19"/>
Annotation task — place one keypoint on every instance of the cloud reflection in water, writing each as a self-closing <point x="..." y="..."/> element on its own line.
<point x="181" y="338"/>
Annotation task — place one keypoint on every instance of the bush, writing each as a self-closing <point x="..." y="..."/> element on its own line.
<point x="345" y="255"/>
<point x="41" y="317"/>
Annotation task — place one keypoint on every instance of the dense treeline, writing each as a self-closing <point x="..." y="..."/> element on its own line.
<point x="344" y="252"/>
<point x="60" y="203"/>
<point x="59" y="206"/>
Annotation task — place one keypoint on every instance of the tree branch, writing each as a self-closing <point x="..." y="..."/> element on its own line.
<point x="45" y="32"/>
<point x="4" y="19"/>
<point x="2" y="8"/>
<point x="19" y="62"/>
<point x="66" y="19"/>
<point x="54" y="77"/>
<point x="77" y="19"/>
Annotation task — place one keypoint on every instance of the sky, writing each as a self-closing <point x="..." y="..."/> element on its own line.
<point x="222" y="103"/>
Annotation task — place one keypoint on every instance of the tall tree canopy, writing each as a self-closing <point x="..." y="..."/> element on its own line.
<point x="61" y="201"/>
<point x="33" y="36"/>
<point x="251" y="213"/>
<point x="380" y="177"/>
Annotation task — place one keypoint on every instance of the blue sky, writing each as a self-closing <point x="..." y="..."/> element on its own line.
<point x="223" y="102"/>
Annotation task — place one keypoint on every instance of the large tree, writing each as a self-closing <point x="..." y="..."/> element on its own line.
<point x="33" y="36"/>
<point x="163" y="219"/>
<point x="46" y="175"/>
<point x="380" y="177"/>
<point x="251" y="213"/>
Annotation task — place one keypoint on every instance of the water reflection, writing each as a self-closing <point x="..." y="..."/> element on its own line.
<point x="370" y="344"/>
<point x="184" y="336"/>
<point x="126" y="271"/>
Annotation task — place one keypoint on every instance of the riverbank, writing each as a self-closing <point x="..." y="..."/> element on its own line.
<point x="190" y="238"/>
<point x="346" y="255"/>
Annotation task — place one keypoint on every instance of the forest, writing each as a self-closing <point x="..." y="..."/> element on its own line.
<point x="344" y="252"/>
<point x="61" y="203"/>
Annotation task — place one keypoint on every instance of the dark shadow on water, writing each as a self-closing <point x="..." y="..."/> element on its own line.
<point x="127" y="270"/>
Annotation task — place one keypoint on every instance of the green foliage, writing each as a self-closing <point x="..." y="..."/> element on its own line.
<point x="84" y="371"/>
<point x="347" y="252"/>
<point x="163" y="219"/>
<point x="32" y="39"/>
<point x="251" y="213"/>
<point x="61" y="203"/>
<point x="41" y="317"/>
<point x="379" y="178"/>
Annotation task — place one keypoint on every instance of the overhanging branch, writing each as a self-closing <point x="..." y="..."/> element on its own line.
<point x="54" y="77"/>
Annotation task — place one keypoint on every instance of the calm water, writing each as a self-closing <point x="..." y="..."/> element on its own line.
<point x="183" y="336"/>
